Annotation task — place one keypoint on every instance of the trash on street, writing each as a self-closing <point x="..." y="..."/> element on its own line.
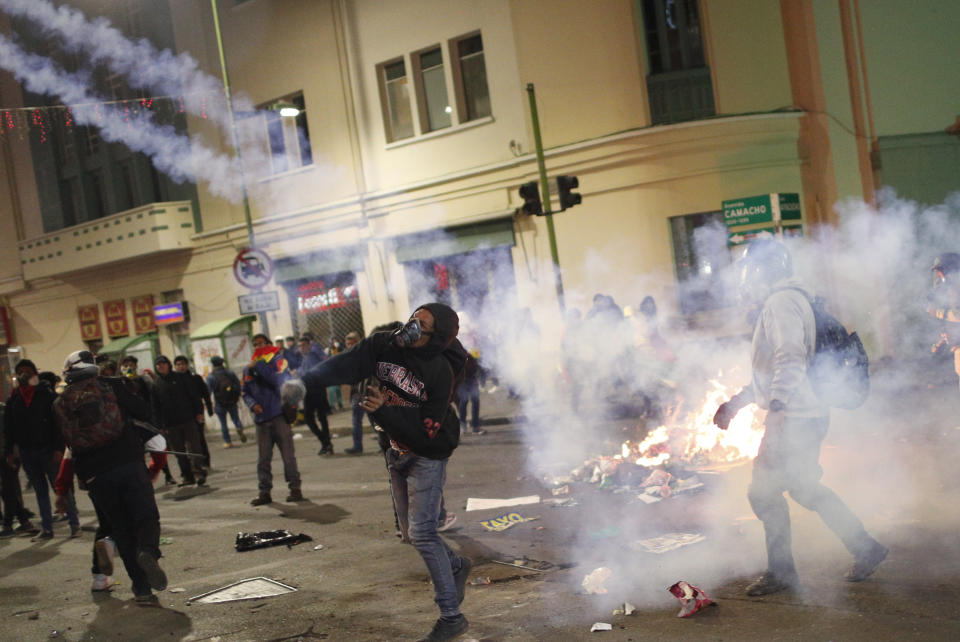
<point x="691" y="598"/>
<point x="502" y="523"/>
<point x="625" y="609"/>
<point x="601" y="626"/>
<point x="566" y="502"/>
<point x="248" y="589"/>
<point x="478" y="503"/>
<point x="593" y="582"/>
<point x="263" y="539"/>
<point x="562" y="490"/>
<point x="667" y="542"/>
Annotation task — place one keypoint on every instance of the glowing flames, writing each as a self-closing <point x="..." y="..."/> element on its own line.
<point x="695" y="439"/>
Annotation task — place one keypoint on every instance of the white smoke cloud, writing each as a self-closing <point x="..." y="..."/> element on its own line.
<point x="176" y="155"/>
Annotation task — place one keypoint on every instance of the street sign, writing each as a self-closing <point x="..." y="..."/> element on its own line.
<point x="259" y="302"/>
<point x="748" y="217"/>
<point x="253" y="268"/>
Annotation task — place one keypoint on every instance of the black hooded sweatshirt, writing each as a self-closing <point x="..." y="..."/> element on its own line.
<point x="417" y="383"/>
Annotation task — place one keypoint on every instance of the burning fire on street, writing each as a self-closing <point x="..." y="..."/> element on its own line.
<point x="666" y="460"/>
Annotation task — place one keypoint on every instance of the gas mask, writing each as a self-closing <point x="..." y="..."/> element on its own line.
<point x="410" y="333"/>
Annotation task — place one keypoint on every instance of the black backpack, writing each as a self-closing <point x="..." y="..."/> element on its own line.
<point x="840" y="369"/>
<point x="226" y="392"/>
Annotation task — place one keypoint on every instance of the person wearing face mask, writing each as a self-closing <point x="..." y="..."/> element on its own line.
<point x="784" y="343"/>
<point x="31" y="427"/>
<point x="411" y="377"/>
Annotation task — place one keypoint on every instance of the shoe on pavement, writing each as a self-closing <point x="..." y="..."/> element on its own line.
<point x="26" y="528"/>
<point x="447" y="628"/>
<point x="202" y="480"/>
<point x="186" y="482"/>
<point x="768" y="583"/>
<point x="447" y="523"/>
<point x="75" y="532"/>
<point x="42" y="535"/>
<point x="864" y="566"/>
<point x="227" y="444"/>
<point x="295" y="495"/>
<point x="353" y="451"/>
<point x="101" y="582"/>
<point x="261" y="499"/>
<point x="147" y="599"/>
<point x="155" y="574"/>
<point x="460" y="577"/>
<point x="243" y="437"/>
<point x="479" y="431"/>
<point x="103" y="548"/>
<point x="170" y="481"/>
<point x="7" y="532"/>
<point x="326" y="450"/>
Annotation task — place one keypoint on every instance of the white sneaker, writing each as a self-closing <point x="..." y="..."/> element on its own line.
<point x="447" y="523"/>
<point x="101" y="582"/>
<point x="105" y="551"/>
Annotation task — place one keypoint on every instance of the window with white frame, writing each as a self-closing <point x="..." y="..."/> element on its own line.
<point x="428" y="108"/>
<point x="395" y="99"/>
<point x="470" y="76"/>
<point x="287" y="136"/>
<point x="435" y="109"/>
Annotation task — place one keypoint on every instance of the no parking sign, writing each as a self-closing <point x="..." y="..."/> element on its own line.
<point x="252" y="268"/>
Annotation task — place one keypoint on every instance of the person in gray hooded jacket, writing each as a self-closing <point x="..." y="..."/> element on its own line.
<point x="784" y="342"/>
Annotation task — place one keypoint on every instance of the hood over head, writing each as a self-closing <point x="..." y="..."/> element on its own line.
<point x="446" y="325"/>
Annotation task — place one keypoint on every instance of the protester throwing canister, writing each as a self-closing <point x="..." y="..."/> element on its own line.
<point x="415" y="370"/>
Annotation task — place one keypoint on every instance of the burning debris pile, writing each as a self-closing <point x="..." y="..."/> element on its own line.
<point x="666" y="460"/>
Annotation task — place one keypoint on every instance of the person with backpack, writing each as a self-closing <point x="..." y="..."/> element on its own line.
<point x="414" y="374"/>
<point x="95" y="416"/>
<point x="31" y="428"/>
<point x="784" y="347"/>
<point x="225" y="386"/>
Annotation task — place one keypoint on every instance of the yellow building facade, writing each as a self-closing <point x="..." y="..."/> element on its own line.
<point x="400" y="201"/>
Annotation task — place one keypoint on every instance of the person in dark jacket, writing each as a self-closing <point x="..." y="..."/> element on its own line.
<point x="319" y="407"/>
<point x="177" y="409"/>
<point x="263" y="379"/>
<point x="415" y="371"/>
<point x="12" y="497"/>
<point x="30" y="427"/>
<point x="225" y="387"/>
<point x="182" y="365"/>
<point x="115" y="476"/>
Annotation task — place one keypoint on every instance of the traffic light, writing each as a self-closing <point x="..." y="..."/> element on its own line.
<point x="568" y="198"/>
<point x="530" y="193"/>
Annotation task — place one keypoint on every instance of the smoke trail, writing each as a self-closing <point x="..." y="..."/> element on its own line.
<point x="173" y="154"/>
<point x="140" y="62"/>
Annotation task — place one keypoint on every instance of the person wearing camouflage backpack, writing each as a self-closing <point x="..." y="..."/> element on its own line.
<point x="95" y="415"/>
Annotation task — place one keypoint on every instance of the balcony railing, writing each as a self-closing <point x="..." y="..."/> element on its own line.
<point x="677" y="96"/>
<point x="158" y="227"/>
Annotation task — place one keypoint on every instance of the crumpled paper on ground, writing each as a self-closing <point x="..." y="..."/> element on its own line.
<point x="691" y="598"/>
<point x="593" y="582"/>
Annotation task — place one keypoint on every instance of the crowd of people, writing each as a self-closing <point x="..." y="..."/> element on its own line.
<point x="102" y="422"/>
<point x="407" y="378"/>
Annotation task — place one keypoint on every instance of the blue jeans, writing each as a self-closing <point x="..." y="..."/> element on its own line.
<point x="417" y="486"/>
<point x="358" y="413"/>
<point x="40" y="467"/>
<point x="221" y="413"/>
